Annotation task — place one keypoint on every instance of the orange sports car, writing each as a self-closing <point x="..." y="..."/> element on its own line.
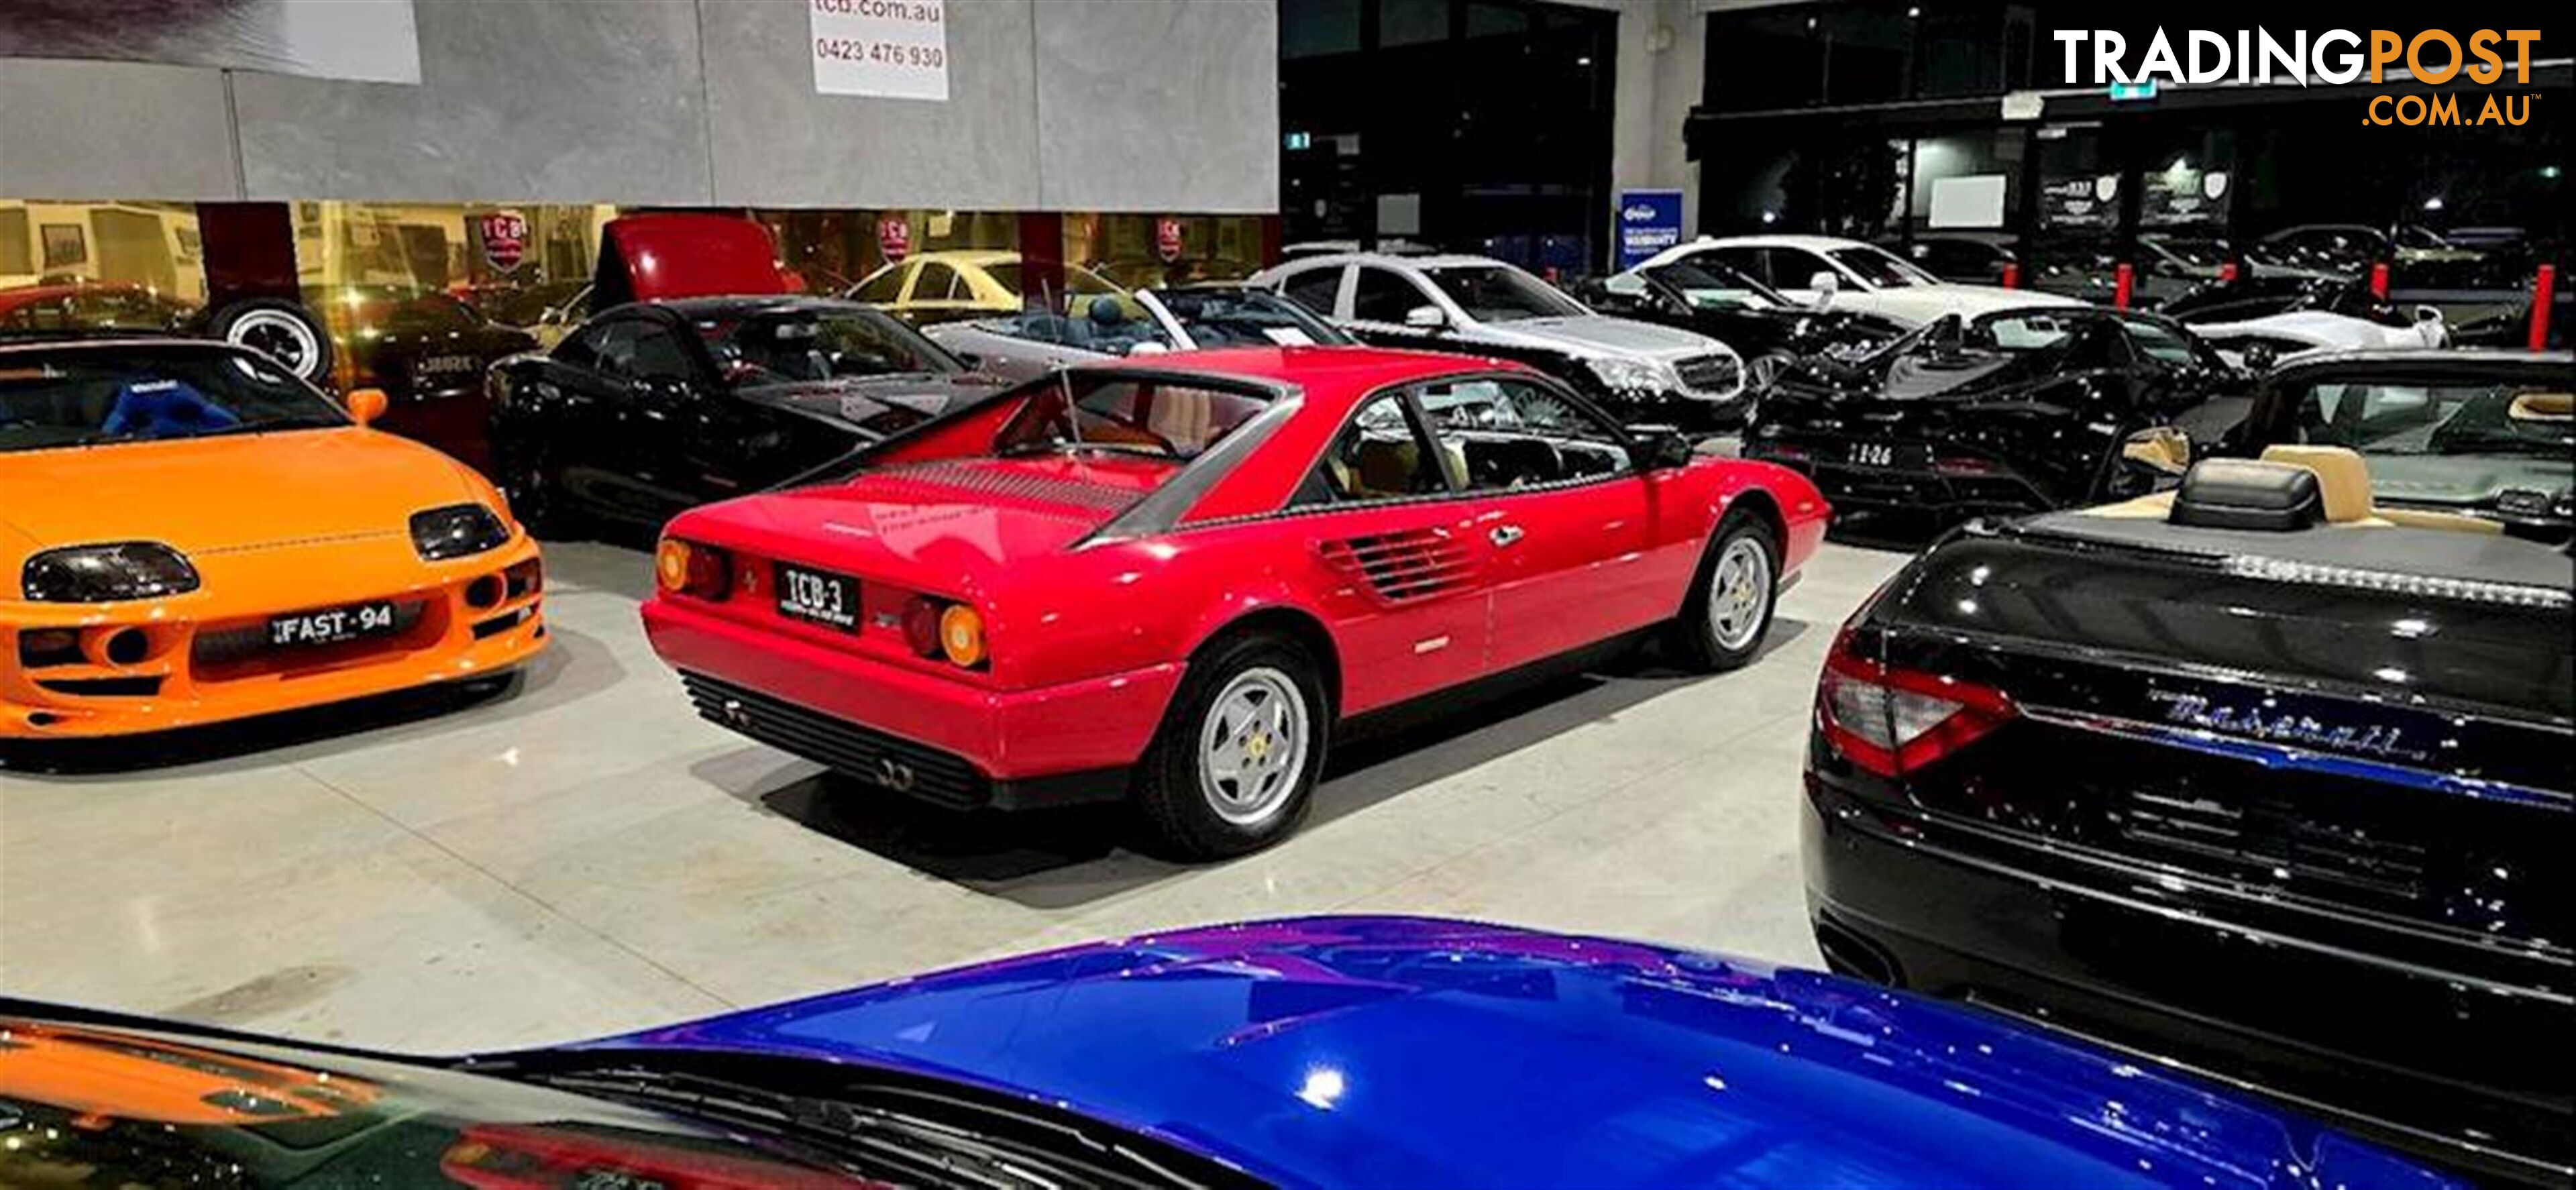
<point x="190" y="534"/>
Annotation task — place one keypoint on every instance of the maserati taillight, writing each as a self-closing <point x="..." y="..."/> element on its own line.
<point x="1888" y="719"/>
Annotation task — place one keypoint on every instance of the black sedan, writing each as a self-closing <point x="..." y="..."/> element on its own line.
<point x="1765" y="327"/>
<point x="653" y="407"/>
<point x="2251" y="778"/>
<point x="2014" y="411"/>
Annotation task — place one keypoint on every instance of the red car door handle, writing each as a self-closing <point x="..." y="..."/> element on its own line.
<point x="1505" y="534"/>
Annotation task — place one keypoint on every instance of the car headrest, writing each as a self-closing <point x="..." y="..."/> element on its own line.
<point x="1106" y="311"/>
<point x="2244" y="494"/>
<point x="2341" y="476"/>
<point x="163" y="408"/>
<point x="2542" y="407"/>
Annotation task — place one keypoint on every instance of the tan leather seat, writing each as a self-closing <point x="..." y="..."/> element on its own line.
<point x="2543" y="407"/>
<point x="2343" y="480"/>
<point x="1387" y="468"/>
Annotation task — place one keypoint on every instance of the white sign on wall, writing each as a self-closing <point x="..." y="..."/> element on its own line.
<point x="1972" y="200"/>
<point x="892" y="48"/>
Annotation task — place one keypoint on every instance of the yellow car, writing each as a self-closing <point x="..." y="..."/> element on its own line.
<point x="968" y="283"/>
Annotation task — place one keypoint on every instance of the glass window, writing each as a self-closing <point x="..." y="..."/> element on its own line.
<point x="1501" y="293"/>
<point x="1127" y="415"/>
<point x="2027" y="332"/>
<point x="808" y="345"/>
<point x="77" y="396"/>
<point x="1752" y="262"/>
<point x="1880" y="267"/>
<point x="76" y="265"/>
<point x="612" y="346"/>
<point x="1227" y="316"/>
<point x="1309" y="28"/>
<point x="1315" y="289"/>
<point x="2159" y="342"/>
<point x="1137" y="251"/>
<point x="1383" y="295"/>
<point x="936" y="282"/>
<point x="882" y="287"/>
<point x="1510" y="434"/>
<point x="1379" y="456"/>
<point x="1709" y="284"/>
<point x="17" y="254"/>
<point x="658" y="354"/>
<point x="1406" y="22"/>
<point x="2465" y="444"/>
<point x="587" y="348"/>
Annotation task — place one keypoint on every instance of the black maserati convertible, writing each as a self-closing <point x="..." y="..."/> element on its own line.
<point x="2019" y="410"/>
<point x="653" y="407"/>
<point x="2250" y="777"/>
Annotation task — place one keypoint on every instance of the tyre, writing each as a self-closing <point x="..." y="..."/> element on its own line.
<point x="1765" y="371"/>
<point x="282" y="330"/>
<point x="532" y="482"/>
<point x="1235" y="762"/>
<point x="1728" y="611"/>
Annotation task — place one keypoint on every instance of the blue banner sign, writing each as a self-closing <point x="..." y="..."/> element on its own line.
<point x="1649" y="222"/>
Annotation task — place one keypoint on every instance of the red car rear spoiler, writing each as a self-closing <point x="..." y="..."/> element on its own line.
<point x="646" y="258"/>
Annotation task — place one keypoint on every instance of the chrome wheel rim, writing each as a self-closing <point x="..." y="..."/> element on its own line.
<point x="279" y="336"/>
<point x="1765" y="370"/>
<point x="1736" y="593"/>
<point x="1252" y="746"/>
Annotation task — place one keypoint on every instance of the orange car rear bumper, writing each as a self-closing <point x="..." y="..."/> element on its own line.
<point x="205" y="657"/>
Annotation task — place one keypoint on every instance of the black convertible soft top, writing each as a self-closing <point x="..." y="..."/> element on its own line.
<point x="2388" y="550"/>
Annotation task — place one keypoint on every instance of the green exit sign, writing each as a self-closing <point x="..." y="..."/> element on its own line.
<point x="2121" y="92"/>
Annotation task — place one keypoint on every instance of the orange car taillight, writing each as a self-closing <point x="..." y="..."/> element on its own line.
<point x="1888" y="719"/>
<point x="938" y="628"/>
<point x="686" y="568"/>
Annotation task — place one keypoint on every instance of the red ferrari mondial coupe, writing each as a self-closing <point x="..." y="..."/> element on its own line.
<point x="1174" y="580"/>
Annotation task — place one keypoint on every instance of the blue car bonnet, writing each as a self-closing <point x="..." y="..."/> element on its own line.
<point x="1412" y="1052"/>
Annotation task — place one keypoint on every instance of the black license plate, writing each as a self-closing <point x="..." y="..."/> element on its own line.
<point x="447" y="365"/>
<point x="331" y="625"/>
<point x="1902" y="456"/>
<point x="818" y="597"/>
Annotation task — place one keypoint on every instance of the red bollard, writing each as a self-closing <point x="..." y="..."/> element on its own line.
<point x="2544" y="294"/>
<point x="2379" y="280"/>
<point x="2012" y="274"/>
<point x="2122" y="280"/>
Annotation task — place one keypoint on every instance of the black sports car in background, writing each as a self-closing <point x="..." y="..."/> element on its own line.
<point x="1764" y="327"/>
<point x="2486" y="434"/>
<point x="427" y="350"/>
<point x="652" y="407"/>
<point x="2241" y="776"/>
<point x="2014" y="411"/>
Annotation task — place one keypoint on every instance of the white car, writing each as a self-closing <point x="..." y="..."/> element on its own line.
<point x="2267" y="341"/>
<point x="1828" y="271"/>
<point x="1643" y="373"/>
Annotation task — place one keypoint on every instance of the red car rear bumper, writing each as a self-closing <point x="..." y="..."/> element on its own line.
<point x="901" y="727"/>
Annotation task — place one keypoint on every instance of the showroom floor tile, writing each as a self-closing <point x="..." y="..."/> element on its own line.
<point x="583" y="855"/>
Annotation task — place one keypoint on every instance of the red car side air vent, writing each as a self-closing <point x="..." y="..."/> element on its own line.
<point x="1402" y="567"/>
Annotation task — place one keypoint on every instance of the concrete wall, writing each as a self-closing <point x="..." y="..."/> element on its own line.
<point x="1144" y="105"/>
<point x="1662" y="49"/>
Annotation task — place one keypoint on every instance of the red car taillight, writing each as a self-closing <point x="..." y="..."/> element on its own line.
<point x="1888" y="719"/>
<point x="688" y="569"/>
